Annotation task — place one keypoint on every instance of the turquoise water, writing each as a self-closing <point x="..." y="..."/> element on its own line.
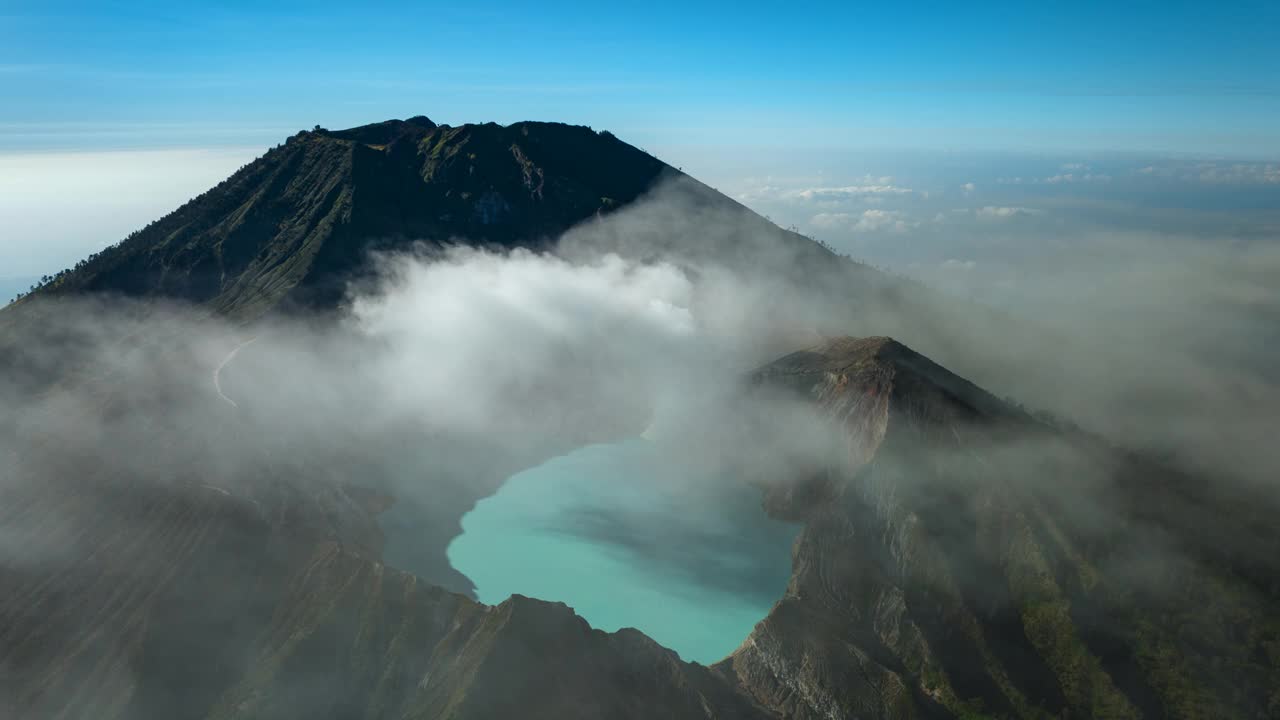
<point x="630" y="539"/>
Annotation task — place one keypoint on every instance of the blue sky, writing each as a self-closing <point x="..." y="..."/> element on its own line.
<point x="1170" y="76"/>
<point x="998" y="127"/>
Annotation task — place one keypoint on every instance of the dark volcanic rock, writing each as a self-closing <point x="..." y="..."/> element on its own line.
<point x="299" y="221"/>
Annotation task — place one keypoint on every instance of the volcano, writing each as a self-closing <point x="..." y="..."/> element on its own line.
<point x="957" y="558"/>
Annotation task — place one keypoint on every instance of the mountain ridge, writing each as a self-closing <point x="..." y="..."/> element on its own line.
<point x="958" y="559"/>
<point x="295" y="225"/>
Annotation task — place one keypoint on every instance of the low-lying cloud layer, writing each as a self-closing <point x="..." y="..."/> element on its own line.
<point x="451" y="370"/>
<point x="1138" y="292"/>
<point x="458" y="367"/>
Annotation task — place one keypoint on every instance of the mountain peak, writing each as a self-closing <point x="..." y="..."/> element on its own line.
<point x="878" y="393"/>
<point x="877" y="366"/>
<point x="295" y="225"/>
<point x="383" y="132"/>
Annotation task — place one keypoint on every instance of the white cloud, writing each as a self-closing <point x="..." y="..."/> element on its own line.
<point x="968" y="188"/>
<point x="991" y="211"/>
<point x="952" y="264"/>
<point x="866" y="189"/>
<point x="1077" y="178"/>
<point x="1241" y="174"/>
<point x="1213" y="173"/>
<point x="874" y="220"/>
<point x="1059" y="179"/>
<point x="877" y="220"/>
<point x="829" y="221"/>
<point x="848" y="192"/>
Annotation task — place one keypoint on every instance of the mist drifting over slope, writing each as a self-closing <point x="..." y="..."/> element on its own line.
<point x="665" y="299"/>
<point x="659" y="303"/>
<point x="446" y="370"/>
<point x="449" y="368"/>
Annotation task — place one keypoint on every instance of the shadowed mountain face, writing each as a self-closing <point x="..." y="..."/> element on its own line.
<point x="298" y="223"/>
<point x="957" y="558"/>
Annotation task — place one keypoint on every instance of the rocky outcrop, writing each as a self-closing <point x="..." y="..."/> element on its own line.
<point x="298" y="223"/>
<point x="967" y="561"/>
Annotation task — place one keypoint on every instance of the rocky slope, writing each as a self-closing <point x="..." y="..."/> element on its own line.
<point x="968" y="561"/>
<point x="297" y="224"/>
